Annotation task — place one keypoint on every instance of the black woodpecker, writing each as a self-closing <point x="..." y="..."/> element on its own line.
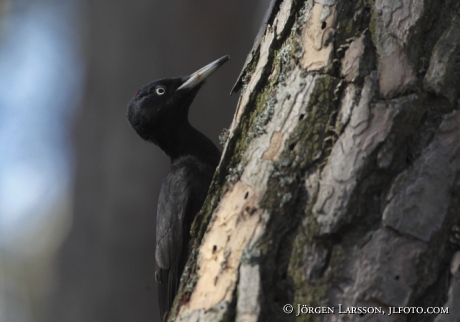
<point x="158" y="112"/>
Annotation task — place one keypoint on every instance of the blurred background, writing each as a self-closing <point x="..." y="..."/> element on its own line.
<point x="78" y="187"/>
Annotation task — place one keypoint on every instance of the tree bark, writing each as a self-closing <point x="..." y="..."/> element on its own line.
<point x="339" y="182"/>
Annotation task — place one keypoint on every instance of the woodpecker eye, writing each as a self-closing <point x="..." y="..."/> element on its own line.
<point x="160" y="90"/>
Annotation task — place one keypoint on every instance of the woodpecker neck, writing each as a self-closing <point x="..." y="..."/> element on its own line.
<point x="184" y="140"/>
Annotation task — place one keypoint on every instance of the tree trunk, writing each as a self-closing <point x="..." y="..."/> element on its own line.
<point x="339" y="182"/>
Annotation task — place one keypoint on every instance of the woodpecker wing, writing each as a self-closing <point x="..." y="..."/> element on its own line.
<point x="173" y="214"/>
<point x="182" y="194"/>
<point x="173" y="207"/>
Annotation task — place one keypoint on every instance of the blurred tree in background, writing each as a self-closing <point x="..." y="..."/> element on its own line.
<point x="41" y="75"/>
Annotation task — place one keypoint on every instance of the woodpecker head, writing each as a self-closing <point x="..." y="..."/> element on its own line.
<point x="165" y="103"/>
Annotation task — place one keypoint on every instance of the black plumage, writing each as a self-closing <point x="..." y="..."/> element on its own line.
<point x="159" y="114"/>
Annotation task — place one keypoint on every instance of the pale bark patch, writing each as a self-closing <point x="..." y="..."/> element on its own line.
<point x="395" y="73"/>
<point x="315" y="39"/>
<point x="249" y="288"/>
<point x="227" y="235"/>
<point x="347" y="103"/>
<point x="275" y="145"/>
<point x="282" y="17"/>
<point x="351" y="60"/>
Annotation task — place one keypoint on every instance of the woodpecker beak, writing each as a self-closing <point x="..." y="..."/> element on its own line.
<point x="202" y="74"/>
